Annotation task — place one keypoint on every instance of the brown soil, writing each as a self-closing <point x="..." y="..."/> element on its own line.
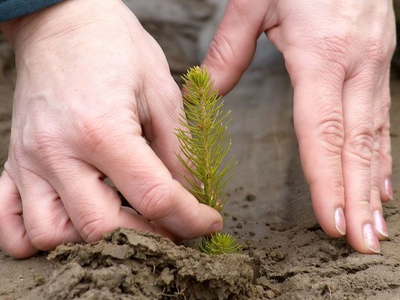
<point x="133" y="265"/>
<point x="268" y="209"/>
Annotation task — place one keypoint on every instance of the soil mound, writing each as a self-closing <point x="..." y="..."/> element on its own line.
<point x="128" y="264"/>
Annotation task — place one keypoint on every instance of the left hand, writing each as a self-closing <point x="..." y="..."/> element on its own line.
<point x="338" y="55"/>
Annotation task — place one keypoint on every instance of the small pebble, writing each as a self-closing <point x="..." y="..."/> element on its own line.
<point x="250" y="197"/>
<point x="270" y="294"/>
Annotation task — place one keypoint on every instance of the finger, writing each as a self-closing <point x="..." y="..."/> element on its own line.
<point x="149" y="187"/>
<point x="14" y="239"/>
<point x="46" y="220"/>
<point x="166" y="99"/>
<point x="358" y="101"/>
<point x="233" y="46"/>
<point x="319" y="129"/>
<point x="376" y="203"/>
<point x="386" y="189"/>
<point x="93" y="206"/>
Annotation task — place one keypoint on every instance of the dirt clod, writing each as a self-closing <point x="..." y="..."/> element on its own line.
<point x="128" y="264"/>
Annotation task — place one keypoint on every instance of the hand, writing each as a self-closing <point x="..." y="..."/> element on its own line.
<point x="91" y="83"/>
<point x="337" y="54"/>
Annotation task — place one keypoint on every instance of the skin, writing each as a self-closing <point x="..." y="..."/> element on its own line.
<point x="86" y="96"/>
<point x="338" y="55"/>
<point x="84" y="99"/>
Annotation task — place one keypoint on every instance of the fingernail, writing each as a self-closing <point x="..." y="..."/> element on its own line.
<point x="379" y="223"/>
<point x="216" y="227"/>
<point x="389" y="188"/>
<point x="370" y="239"/>
<point x="340" y="222"/>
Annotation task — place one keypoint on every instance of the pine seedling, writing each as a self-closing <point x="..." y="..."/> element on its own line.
<point x="204" y="142"/>
<point x="220" y="243"/>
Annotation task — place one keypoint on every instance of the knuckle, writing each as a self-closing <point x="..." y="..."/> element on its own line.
<point x="91" y="132"/>
<point x="380" y="47"/>
<point x="220" y="52"/>
<point x="364" y="204"/>
<point x="336" y="44"/>
<point x="359" y="145"/>
<point x="93" y="228"/>
<point x="334" y="50"/>
<point x="44" y="238"/>
<point x="155" y="202"/>
<point x="16" y="249"/>
<point x="96" y="130"/>
<point x="42" y="145"/>
<point x="173" y="104"/>
<point x="335" y="186"/>
<point x="331" y="133"/>
<point x="330" y="59"/>
<point x="193" y="231"/>
<point x="155" y="55"/>
<point x="377" y="52"/>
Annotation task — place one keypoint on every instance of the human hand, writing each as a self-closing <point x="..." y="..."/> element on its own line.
<point x="337" y="54"/>
<point x="91" y="83"/>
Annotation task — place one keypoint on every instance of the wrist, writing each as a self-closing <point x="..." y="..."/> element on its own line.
<point x="9" y="28"/>
<point x="55" y="20"/>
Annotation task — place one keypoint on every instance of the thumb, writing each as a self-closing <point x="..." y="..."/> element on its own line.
<point x="233" y="46"/>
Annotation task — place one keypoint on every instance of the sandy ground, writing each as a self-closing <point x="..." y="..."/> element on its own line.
<point x="269" y="206"/>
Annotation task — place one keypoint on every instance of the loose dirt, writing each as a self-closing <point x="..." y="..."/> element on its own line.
<point x="137" y="265"/>
<point x="269" y="210"/>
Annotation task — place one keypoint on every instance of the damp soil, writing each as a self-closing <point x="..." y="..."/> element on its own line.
<point x="286" y="254"/>
<point x="127" y="264"/>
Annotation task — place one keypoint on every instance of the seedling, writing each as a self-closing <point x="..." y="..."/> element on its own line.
<point x="204" y="142"/>
<point x="220" y="243"/>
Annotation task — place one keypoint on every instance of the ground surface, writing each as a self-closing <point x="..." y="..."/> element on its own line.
<point x="269" y="206"/>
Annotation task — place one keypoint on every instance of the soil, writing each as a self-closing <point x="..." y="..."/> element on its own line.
<point x="286" y="254"/>
<point x="135" y="265"/>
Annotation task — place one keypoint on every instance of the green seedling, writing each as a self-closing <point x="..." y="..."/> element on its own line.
<point x="220" y="243"/>
<point x="204" y="142"/>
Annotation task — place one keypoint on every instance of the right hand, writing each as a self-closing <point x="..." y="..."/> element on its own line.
<point x="91" y="83"/>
